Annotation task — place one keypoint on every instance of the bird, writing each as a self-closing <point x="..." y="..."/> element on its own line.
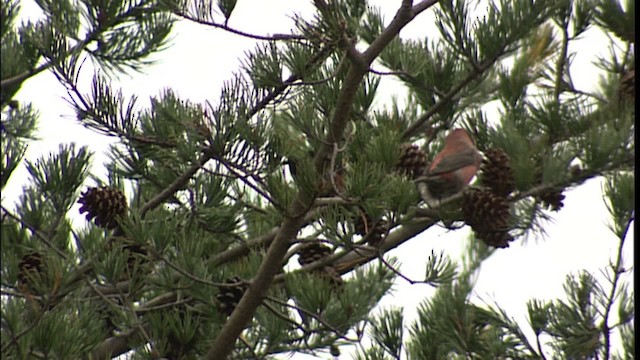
<point x="452" y="168"/>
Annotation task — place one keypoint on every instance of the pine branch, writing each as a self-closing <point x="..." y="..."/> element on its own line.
<point x="272" y="262"/>
<point x="116" y="345"/>
<point x="43" y="237"/>
<point x="605" y="328"/>
<point x="22" y="333"/>
<point x="274" y="37"/>
<point x="351" y="259"/>
<point x="560" y="65"/>
<point x="446" y="98"/>
<point x="178" y="183"/>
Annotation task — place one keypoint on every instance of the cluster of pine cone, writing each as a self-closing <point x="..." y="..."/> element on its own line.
<point x="487" y="211"/>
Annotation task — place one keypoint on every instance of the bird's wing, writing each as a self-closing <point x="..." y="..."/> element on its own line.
<point x="455" y="162"/>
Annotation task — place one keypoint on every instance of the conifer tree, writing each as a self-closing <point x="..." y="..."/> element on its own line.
<point x="256" y="224"/>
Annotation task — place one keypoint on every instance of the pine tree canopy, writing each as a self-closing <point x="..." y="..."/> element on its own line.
<point x="256" y="223"/>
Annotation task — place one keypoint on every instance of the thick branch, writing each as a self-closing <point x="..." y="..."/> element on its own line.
<point x="243" y="313"/>
<point x="395" y="238"/>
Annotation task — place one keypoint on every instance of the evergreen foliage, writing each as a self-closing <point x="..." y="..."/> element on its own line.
<point x="206" y="206"/>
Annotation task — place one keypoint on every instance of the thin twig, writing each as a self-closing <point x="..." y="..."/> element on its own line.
<point x="178" y="183"/>
<point x="317" y="317"/>
<point x="389" y="73"/>
<point x="274" y="37"/>
<point x="605" y="329"/>
<point x="561" y="61"/>
<point x="424" y="119"/>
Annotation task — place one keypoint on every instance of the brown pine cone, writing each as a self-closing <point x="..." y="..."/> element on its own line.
<point x="229" y="296"/>
<point x="412" y="162"/>
<point x="312" y="251"/>
<point x="30" y="268"/>
<point x="489" y="216"/>
<point x="373" y="231"/>
<point x="496" y="172"/>
<point x="497" y="239"/>
<point x="103" y="205"/>
<point x="552" y="199"/>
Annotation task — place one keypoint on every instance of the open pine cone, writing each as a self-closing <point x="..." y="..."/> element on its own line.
<point x="229" y="296"/>
<point x="489" y="216"/>
<point x="413" y="160"/>
<point x="373" y="231"/>
<point x="103" y="205"/>
<point x="496" y="172"/>
<point x="314" y="251"/>
<point x="552" y="199"/>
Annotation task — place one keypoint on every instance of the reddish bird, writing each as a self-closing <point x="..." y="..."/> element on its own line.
<point x="453" y="167"/>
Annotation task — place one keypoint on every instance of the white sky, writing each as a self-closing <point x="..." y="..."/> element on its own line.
<point x="200" y="59"/>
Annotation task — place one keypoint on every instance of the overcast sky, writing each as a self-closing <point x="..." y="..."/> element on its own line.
<point x="200" y="59"/>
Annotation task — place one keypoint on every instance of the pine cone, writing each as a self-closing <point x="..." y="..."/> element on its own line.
<point x="489" y="217"/>
<point x="30" y="267"/>
<point x="628" y="85"/>
<point x="552" y="199"/>
<point x="496" y="172"/>
<point x="229" y="296"/>
<point x="413" y="160"/>
<point x="498" y="239"/>
<point x="103" y="205"/>
<point x="373" y="231"/>
<point x="312" y="251"/>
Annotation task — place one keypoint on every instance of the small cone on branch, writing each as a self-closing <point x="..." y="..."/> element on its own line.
<point x="373" y="231"/>
<point x="496" y="172"/>
<point x="552" y="199"/>
<point x="30" y="267"/>
<point x="229" y="296"/>
<point x="103" y="205"/>
<point x="314" y="251"/>
<point x="497" y="239"/>
<point x="32" y="271"/>
<point x="488" y="215"/>
<point x="412" y="162"/>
